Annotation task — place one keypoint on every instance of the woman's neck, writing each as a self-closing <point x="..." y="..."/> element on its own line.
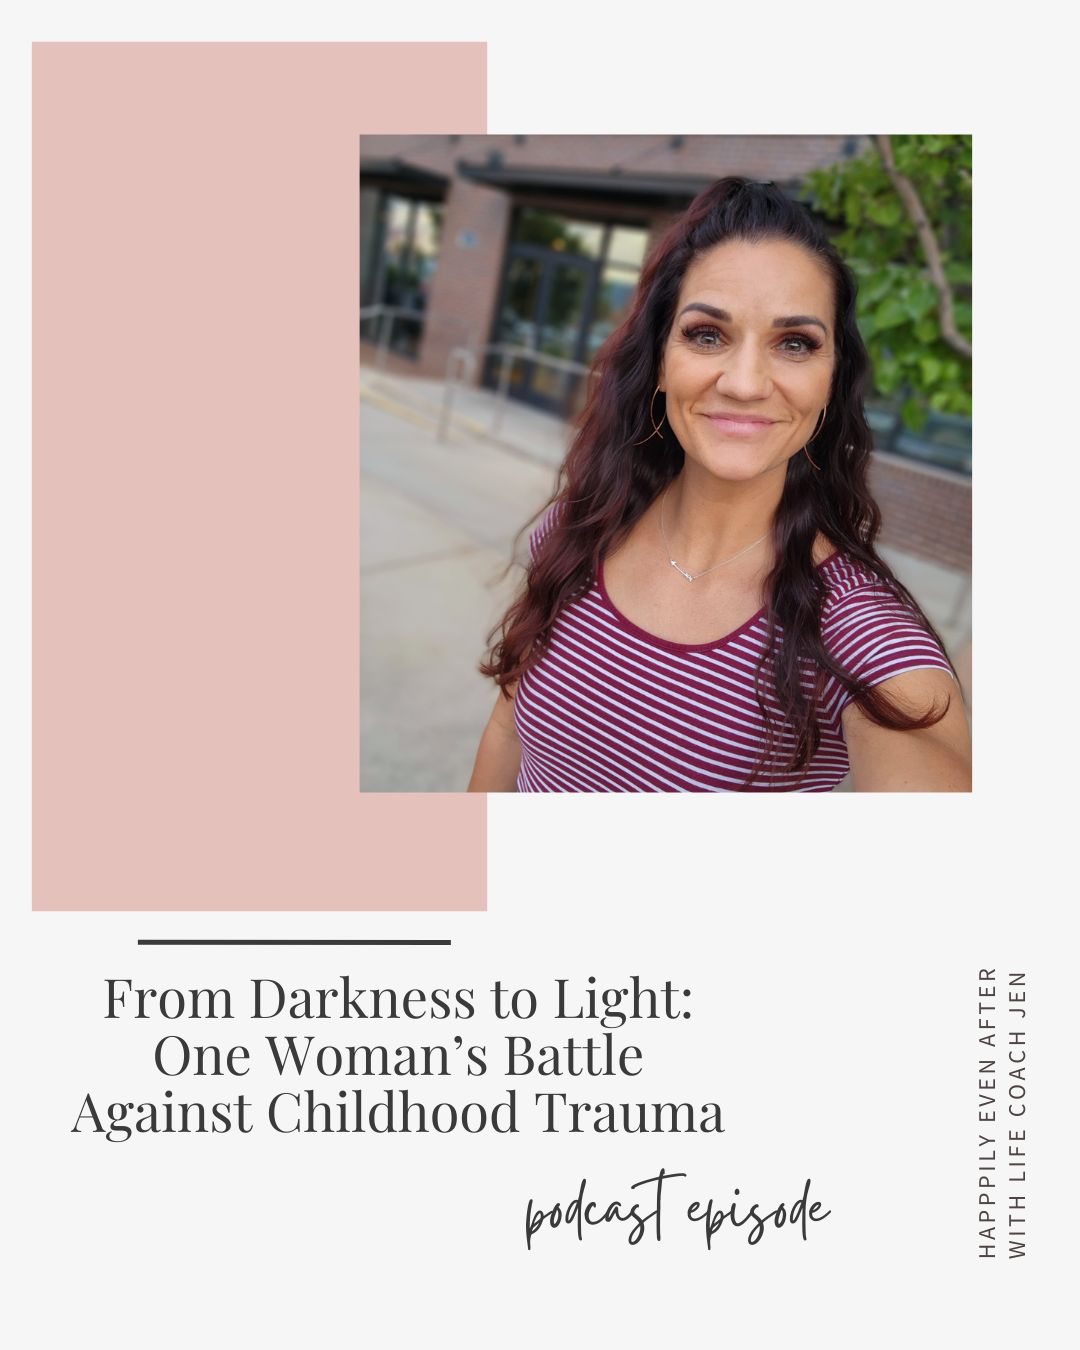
<point x="706" y="520"/>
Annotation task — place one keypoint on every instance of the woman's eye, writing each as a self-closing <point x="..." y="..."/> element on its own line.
<point x="798" y="344"/>
<point x="704" y="336"/>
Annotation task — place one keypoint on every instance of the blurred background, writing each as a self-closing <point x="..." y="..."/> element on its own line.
<point x="491" y="270"/>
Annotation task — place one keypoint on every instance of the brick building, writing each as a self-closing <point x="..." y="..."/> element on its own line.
<point x="536" y="242"/>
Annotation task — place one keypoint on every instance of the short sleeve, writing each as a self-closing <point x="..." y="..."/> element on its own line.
<point x="546" y="524"/>
<point x="873" y="635"/>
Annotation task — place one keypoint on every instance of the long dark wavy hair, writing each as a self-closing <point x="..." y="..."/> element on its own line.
<point x="608" y="480"/>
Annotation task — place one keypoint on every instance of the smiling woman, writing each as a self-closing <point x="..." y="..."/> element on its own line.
<point x="705" y="610"/>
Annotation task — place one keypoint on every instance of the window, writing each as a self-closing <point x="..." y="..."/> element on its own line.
<point x="943" y="441"/>
<point x="398" y="266"/>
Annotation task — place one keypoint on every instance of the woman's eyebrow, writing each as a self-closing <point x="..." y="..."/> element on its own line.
<point x="788" y="321"/>
<point x="711" y="310"/>
<point x="793" y="321"/>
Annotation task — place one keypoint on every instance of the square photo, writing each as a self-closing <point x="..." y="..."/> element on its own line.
<point x="665" y="463"/>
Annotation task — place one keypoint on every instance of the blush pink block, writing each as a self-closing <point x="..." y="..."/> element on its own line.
<point x="196" y="565"/>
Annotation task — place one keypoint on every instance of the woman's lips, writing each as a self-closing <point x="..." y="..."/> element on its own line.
<point x="739" y="426"/>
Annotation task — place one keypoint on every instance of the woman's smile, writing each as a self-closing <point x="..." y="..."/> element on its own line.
<point x="739" y="424"/>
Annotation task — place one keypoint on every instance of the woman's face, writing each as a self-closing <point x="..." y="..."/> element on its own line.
<point x="748" y="364"/>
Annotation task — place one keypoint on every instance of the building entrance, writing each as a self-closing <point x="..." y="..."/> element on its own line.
<point x="566" y="284"/>
<point x="547" y="297"/>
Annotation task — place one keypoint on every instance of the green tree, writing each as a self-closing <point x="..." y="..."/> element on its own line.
<point x="903" y="212"/>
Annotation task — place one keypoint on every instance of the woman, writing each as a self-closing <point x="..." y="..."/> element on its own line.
<point x="705" y="610"/>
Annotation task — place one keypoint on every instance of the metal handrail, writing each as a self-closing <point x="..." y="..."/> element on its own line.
<point x="469" y="357"/>
<point x="386" y="315"/>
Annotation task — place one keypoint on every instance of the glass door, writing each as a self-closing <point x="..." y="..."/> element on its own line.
<point x="518" y="325"/>
<point x="546" y="298"/>
<point x="562" y="328"/>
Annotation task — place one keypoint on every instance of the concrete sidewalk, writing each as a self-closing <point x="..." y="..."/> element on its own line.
<point x="438" y="523"/>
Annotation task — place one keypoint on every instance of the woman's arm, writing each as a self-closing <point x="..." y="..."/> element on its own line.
<point x="937" y="759"/>
<point x="499" y="754"/>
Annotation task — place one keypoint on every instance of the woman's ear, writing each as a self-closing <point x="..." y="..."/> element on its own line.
<point x="660" y="378"/>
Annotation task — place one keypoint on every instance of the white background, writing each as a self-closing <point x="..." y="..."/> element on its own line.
<point x="832" y="945"/>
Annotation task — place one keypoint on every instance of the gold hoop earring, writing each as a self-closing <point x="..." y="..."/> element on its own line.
<point x="817" y="430"/>
<point x="656" y="430"/>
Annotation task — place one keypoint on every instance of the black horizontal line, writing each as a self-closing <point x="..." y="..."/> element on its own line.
<point x="294" y="942"/>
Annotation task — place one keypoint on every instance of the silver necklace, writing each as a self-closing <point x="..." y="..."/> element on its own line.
<point x="693" y="576"/>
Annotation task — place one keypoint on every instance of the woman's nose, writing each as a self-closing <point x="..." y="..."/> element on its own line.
<point x="744" y="373"/>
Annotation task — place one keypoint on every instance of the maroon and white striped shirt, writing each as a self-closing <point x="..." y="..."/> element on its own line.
<point x="611" y="708"/>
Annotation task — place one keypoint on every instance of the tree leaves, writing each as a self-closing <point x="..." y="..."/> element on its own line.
<point x="898" y="302"/>
<point x="890" y="313"/>
<point x="882" y="211"/>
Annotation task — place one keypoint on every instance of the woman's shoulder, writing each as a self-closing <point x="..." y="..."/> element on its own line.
<point x="546" y="523"/>
<point x="845" y="577"/>
<point x="857" y="597"/>
<point x="870" y="626"/>
<point x="851" y="582"/>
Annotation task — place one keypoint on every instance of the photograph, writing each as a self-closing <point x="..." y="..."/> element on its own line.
<point x="665" y="463"/>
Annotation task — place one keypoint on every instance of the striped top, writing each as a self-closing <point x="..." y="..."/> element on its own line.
<point x="612" y="708"/>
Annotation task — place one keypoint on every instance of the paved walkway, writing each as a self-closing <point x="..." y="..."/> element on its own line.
<point x="438" y="521"/>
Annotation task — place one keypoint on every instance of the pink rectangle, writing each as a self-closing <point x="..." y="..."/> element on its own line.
<point x="196" y="567"/>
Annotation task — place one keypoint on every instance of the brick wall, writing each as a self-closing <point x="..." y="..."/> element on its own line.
<point x="924" y="511"/>
<point x="465" y="288"/>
